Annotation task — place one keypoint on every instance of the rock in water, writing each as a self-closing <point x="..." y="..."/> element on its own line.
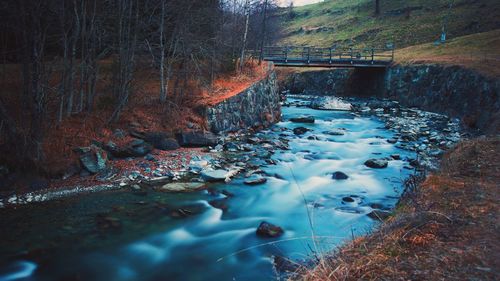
<point x="348" y="199"/>
<point x="255" y="180"/>
<point x="339" y="176"/>
<point x="376" y="163"/>
<point x="268" y="230"/>
<point x="330" y="103"/>
<point x="396" y="156"/>
<point x="196" y="139"/>
<point x="303" y="119"/>
<point x="300" y="130"/>
<point x="335" y="133"/>
<point x="220" y="204"/>
<point x="186" y="211"/>
<point x="227" y="193"/>
<point x="182" y="186"/>
<point x="215" y="175"/>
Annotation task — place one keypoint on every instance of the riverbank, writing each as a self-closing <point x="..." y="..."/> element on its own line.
<point x="147" y="149"/>
<point x="444" y="228"/>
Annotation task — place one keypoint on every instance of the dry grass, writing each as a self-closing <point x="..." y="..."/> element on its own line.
<point x="450" y="231"/>
<point x="477" y="51"/>
<point x="233" y="84"/>
<point x="143" y="109"/>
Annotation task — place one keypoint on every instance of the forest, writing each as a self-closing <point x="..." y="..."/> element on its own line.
<point x="65" y="62"/>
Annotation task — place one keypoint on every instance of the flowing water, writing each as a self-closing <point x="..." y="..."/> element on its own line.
<point x="60" y="240"/>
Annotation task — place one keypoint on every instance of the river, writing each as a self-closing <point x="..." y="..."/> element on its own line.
<point x="121" y="235"/>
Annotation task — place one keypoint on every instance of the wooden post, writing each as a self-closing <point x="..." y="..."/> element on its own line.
<point x="351" y="54"/>
<point x="286" y="54"/>
<point x="308" y="54"/>
<point x="373" y="54"/>
<point x="330" y="55"/>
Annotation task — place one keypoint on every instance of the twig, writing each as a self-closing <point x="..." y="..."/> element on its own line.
<point x="272" y="243"/>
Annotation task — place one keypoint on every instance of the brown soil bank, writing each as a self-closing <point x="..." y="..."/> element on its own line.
<point x="444" y="229"/>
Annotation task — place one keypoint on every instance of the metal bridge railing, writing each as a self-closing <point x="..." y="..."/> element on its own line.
<point x="308" y="55"/>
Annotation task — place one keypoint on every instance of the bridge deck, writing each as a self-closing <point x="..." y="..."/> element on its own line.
<point x="327" y="57"/>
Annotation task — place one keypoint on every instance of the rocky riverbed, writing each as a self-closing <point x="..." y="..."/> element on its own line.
<point x="240" y="209"/>
<point x="426" y="133"/>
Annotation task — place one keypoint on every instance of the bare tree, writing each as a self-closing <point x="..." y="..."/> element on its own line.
<point x="163" y="94"/>
<point x="264" y="33"/>
<point x="377" y="7"/>
<point x="126" y="43"/>
<point x="245" y="34"/>
<point x="61" y="47"/>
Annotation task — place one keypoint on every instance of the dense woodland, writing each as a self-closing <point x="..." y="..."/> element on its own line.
<point x="69" y="58"/>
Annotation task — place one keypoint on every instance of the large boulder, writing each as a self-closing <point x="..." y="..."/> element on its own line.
<point x="161" y="141"/>
<point x="93" y="159"/>
<point x="268" y="230"/>
<point x="117" y="151"/>
<point x="376" y="163"/>
<point x="139" y="148"/>
<point x="215" y="175"/>
<point x="135" y="148"/>
<point x="196" y="139"/>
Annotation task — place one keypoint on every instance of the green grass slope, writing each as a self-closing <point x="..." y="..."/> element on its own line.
<point x="352" y="22"/>
<point x="479" y="51"/>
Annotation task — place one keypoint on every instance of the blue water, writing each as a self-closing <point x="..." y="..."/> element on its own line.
<point x="222" y="245"/>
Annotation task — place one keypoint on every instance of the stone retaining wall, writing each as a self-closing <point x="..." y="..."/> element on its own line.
<point x="258" y="105"/>
<point x="451" y="90"/>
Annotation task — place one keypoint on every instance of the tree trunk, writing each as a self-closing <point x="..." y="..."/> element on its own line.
<point x="245" y="34"/>
<point x="83" y="56"/>
<point x="129" y="29"/>
<point x="74" y="39"/>
<point x="264" y="33"/>
<point x="65" y="66"/>
<point x="163" y="94"/>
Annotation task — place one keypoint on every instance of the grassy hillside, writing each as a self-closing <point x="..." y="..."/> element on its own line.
<point x="478" y="51"/>
<point x="352" y="22"/>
